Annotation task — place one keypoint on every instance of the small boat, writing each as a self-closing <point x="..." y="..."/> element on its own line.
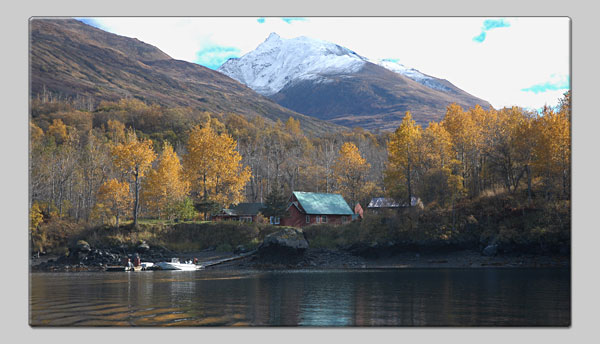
<point x="147" y="265"/>
<point x="174" y="264"/>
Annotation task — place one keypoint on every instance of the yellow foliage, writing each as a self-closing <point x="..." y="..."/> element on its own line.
<point x="35" y="216"/>
<point x="404" y="158"/>
<point x="552" y="151"/>
<point x="134" y="157"/>
<point x="292" y="126"/>
<point x="166" y="183"/>
<point x="58" y="130"/>
<point x="35" y="133"/>
<point x="116" y="131"/>
<point x="113" y="199"/>
<point x="350" y="169"/>
<point x="213" y="166"/>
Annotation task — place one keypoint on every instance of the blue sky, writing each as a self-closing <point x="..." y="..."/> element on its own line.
<point x="507" y="61"/>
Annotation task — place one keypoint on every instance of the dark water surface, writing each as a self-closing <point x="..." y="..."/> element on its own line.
<point x="405" y="297"/>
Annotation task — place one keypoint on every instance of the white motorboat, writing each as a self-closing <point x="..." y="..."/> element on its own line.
<point x="175" y="264"/>
<point x="147" y="265"/>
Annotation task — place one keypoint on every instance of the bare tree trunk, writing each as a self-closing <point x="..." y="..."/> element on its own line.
<point x="136" y="204"/>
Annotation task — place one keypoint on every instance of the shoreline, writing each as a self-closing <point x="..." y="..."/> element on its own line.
<point x="320" y="259"/>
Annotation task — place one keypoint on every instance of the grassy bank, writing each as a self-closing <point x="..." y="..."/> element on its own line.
<point x="507" y="220"/>
<point x="175" y="236"/>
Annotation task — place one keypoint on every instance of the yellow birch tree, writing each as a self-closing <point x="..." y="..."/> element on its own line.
<point x="213" y="166"/>
<point x="134" y="158"/>
<point x="113" y="199"/>
<point x="165" y="184"/>
<point x="350" y="169"/>
<point x="403" y="159"/>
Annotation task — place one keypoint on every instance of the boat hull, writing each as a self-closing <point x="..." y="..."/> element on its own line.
<point x="178" y="266"/>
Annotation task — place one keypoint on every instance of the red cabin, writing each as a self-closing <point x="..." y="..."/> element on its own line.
<point x="306" y="208"/>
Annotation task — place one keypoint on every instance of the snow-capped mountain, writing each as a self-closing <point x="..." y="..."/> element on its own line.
<point x="328" y="81"/>
<point x="278" y="62"/>
<point x="413" y="74"/>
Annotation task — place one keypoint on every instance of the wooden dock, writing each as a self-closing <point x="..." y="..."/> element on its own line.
<point x="225" y="260"/>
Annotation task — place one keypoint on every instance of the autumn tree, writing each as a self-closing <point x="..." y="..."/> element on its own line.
<point x="440" y="181"/>
<point x="553" y="151"/>
<point x="462" y="127"/>
<point x="213" y="166"/>
<point x="404" y="159"/>
<point x="113" y="199"/>
<point x="165" y="185"/>
<point x="35" y="219"/>
<point x="134" y="158"/>
<point x="350" y="170"/>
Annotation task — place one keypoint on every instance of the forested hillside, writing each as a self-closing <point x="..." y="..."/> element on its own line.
<point x="128" y="159"/>
<point x="72" y="60"/>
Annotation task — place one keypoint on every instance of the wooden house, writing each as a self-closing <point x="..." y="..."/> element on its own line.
<point x="306" y="208"/>
<point x="243" y="212"/>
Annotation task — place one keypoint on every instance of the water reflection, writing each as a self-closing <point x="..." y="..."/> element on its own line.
<point x="427" y="297"/>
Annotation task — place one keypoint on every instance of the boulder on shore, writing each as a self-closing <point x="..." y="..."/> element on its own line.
<point x="143" y="247"/>
<point x="81" y="246"/>
<point x="284" y="245"/>
<point x="490" y="250"/>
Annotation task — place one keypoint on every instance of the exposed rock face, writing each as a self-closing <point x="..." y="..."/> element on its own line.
<point x="284" y="245"/>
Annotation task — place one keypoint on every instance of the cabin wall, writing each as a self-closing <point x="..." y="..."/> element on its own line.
<point x="298" y="219"/>
<point x="294" y="219"/>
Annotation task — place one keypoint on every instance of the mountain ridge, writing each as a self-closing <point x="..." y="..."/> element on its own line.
<point x="330" y="82"/>
<point x="71" y="58"/>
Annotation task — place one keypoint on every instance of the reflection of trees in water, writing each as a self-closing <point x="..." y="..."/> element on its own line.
<point x="426" y="297"/>
<point x="448" y="297"/>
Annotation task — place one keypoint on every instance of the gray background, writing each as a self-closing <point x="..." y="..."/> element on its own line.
<point x="14" y="143"/>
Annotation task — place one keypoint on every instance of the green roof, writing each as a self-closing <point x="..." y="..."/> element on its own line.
<point x="244" y="209"/>
<point x="323" y="203"/>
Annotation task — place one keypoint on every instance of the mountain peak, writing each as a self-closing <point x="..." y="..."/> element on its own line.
<point x="279" y="62"/>
<point x="273" y="36"/>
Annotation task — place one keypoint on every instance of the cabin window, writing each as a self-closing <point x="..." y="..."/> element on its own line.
<point x="324" y="218"/>
<point x="344" y="219"/>
<point x="274" y="220"/>
<point x="307" y="218"/>
<point x="246" y="219"/>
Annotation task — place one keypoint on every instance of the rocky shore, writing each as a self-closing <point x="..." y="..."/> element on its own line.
<point x="312" y="258"/>
<point x="288" y="249"/>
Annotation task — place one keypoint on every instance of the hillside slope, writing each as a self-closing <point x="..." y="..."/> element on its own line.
<point x="70" y="58"/>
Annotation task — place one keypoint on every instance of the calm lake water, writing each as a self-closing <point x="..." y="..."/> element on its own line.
<point x="406" y="297"/>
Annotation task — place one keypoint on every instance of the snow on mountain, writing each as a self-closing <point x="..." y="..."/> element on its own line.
<point x="413" y="74"/>
<point x="277" y="62"/>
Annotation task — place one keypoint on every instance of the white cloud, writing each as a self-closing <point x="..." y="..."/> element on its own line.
<point x="510" y="59"/>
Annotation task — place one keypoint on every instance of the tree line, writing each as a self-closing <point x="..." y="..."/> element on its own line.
<point x="125" y="159"/>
